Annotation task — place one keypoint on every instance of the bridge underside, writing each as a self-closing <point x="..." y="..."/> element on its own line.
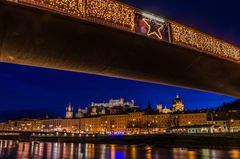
<point x="38" y="38"/>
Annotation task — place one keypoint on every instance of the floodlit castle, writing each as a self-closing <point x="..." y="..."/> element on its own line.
<point x="113" y="106"/>
<point x="113" y="103"/>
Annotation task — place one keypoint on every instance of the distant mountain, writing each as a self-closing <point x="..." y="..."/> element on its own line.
<point x="27" y="113"/>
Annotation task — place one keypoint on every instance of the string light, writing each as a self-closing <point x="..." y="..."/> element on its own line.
<point x="69" y="7"/>
<point x="111" y="12"/>
<point x="187" y="37"/>
<point x="108" y="12"/>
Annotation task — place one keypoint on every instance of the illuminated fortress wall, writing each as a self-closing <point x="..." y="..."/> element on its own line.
<point x="121" y="16"/>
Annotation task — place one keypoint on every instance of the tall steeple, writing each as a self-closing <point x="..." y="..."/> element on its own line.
<point x="149" y="107"/>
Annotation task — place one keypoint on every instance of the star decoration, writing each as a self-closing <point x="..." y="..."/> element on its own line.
<point x="154" y="28"/>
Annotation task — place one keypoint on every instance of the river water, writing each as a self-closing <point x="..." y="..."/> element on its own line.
<point x="48" y="150"/>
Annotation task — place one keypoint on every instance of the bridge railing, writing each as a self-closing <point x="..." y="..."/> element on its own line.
<point x="121" y="16"/>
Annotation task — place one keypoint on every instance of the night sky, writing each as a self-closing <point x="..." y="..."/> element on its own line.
<point x="28" y="88"/>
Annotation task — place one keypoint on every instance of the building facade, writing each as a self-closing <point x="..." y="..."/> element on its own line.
<point x="129" y="123"/>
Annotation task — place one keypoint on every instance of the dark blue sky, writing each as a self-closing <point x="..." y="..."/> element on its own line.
<point x="24" y="87"/>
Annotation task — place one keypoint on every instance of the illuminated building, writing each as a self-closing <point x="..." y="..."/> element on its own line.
<point x="160" y="108"/>
<point x="103" y="112"/>
<point x="226" y="121"/>
<point x="93" y="111"/>
<point x="135" y="123"/>
<point x="61" y="125"/>
<point x="166" y="110"/>
<point x="155" y="124"/>
<point x="224" y="126"/>
<point x="114" y="103"/>
<point x="178" y="105"/>
<point x="80" y="113"/>
<point x="194" y="129"/>
<point x="192" y="119"/>
<point x="114" y="106"/>
<point x="90" y="125"/>
<point x="114" y="124"/>
<point x="95" y="120"/>
<point x="69" y="111"/>
<point x="119" y="124"/>
<point x="129" y="123"/>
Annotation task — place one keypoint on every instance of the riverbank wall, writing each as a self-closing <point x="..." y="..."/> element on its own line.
<point x="221" y="141"/>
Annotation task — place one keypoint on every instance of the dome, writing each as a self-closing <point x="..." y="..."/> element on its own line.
<point x="178" y="105"/>
<point x="177" y="100"/>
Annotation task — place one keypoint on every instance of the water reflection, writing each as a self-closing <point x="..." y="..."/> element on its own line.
<point x="47" y="150"/>
<point x="234" y="153"/>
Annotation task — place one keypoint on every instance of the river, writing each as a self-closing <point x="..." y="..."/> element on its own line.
<point x="47" y="150"/>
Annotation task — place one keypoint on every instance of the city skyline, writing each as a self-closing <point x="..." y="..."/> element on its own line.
<point x="61" y="87"/>
<point x="26" y="87"/>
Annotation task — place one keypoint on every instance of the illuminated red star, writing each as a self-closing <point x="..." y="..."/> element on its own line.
<point x="154" y="28"/>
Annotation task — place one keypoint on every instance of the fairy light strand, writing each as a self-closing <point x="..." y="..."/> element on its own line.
<point x="185" y="36"/>
<point x="111" y="12"/>
<point x="69" y="7"/>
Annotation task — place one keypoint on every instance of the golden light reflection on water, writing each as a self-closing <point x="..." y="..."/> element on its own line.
<point x="40" y="150"/>
<point x="234" y="154"/>
<point x="90" y="151"/>
<point x="49" y="150"/>
<point x="23" y="150"/>
<point x="191" y="155"/>
<point x="71" y="151"/>
<point x="148" y="152"/>
<point x="179" y="153"/>
<point x="133" y="152"/>
<point x="112" y="151"/>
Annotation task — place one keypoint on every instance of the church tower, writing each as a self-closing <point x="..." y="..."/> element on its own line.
<point x="178" y="105"/>
<point x="149" y="107"/>
<point x="69" y="111"/>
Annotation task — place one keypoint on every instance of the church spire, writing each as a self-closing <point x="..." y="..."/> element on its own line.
<point x="149" y="107"/>
<point x="69" y="108"/>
